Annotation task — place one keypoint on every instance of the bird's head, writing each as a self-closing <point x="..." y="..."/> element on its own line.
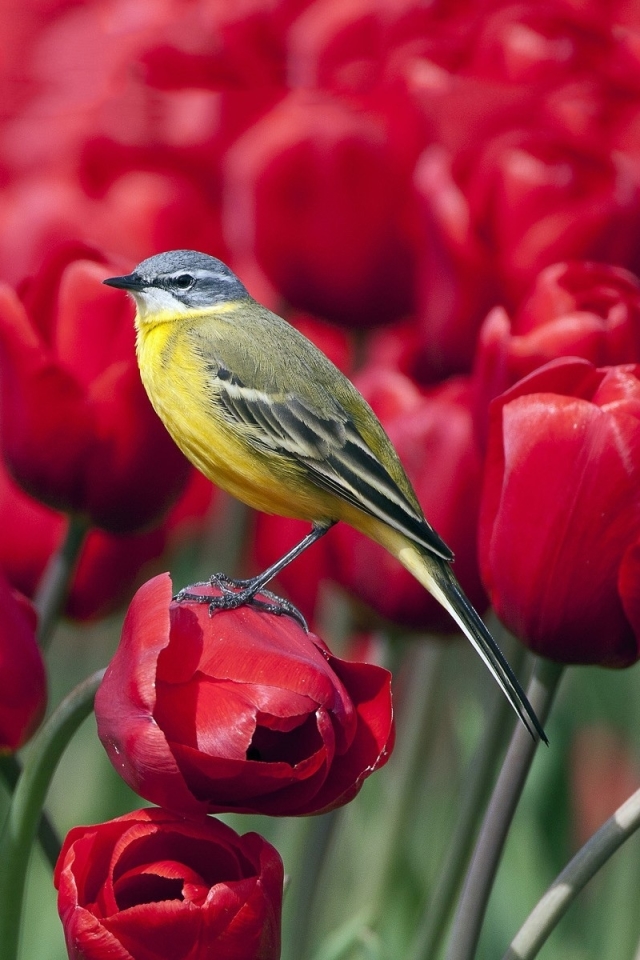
<point x="180" y="282"/>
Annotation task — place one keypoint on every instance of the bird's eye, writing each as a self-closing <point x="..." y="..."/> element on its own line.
<point x="184" y="281"/>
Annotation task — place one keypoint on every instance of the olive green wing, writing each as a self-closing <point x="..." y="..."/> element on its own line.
<point x="326" y="441"/>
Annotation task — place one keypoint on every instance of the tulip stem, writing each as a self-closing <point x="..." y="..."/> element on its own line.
<point x="10" y="770"/>
<point x="495" y="827"/>
<point x="54" y="584"/>
<point x="568" y="884"/>
<point x="477" y="787"/>
<point x="313" y="845"/>
<point x="415" y="725"/>
<point x="22" y="820"/>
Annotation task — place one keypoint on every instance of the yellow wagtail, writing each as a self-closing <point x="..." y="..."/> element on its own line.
<point x="266" y="416"/>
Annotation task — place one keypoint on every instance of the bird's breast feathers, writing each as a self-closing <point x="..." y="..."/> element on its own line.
<point x="195" y="404"/>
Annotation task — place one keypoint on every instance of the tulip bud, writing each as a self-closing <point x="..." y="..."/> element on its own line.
<point x="78" y="430"/>
<point x="239" y="711"/>
<point x="154" y="886"/>
<point x="560" y="514"/>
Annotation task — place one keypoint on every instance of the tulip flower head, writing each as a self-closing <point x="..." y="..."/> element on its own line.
<point x="560" y="514"/>
<point x="577" y="309"/>
<point x="240" y="711"/>
<point x="78" y="431"/>
<point x="154" y="886"/>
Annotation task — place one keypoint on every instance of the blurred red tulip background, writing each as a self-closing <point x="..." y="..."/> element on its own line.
<point x="23" y="685"/>
<point x="445" y="198"/>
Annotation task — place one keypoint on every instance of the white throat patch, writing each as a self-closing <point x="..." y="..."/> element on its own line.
<point x="154" y="300"/>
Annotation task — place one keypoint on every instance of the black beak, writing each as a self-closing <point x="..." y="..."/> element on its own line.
<point x="131" y="282"/>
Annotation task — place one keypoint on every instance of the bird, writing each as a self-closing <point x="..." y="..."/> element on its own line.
<point x="266" y="416"/>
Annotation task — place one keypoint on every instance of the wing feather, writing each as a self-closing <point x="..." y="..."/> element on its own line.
<point x="331" y="449"/>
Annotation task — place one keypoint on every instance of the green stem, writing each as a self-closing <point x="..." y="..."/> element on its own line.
<point x="568" y="884"/>
<point x="313" y="844"/>
<point x="477" y="788"/>
<point x="416" y="724"/>
<point x="26" y="806"/>
<point x="342" y="942"/>
<point x="54" y="585"/>
<point x="415" y="732"/>
<point x="493" y="833"/>
<point x="10" y="770"/>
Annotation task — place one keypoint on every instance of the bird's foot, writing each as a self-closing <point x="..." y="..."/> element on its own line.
<point x="240" y="593"/>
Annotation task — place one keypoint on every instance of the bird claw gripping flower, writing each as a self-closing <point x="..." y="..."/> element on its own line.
<point x="243" y="594"/>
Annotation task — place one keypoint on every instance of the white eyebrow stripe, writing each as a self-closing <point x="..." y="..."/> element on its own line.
<point x="200" y="274"/>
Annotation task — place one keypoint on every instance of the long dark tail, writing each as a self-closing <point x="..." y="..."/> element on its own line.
<point x="437" y="576"/>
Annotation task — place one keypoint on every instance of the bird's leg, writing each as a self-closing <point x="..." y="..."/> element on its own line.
<point x="245" y="590"/>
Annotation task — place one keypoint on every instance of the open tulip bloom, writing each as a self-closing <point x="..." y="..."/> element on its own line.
<point x="239" y="711"/>
<point x="153" y="884"/>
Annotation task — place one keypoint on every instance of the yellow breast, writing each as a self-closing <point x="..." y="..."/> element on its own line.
<point x="181" y="392"/>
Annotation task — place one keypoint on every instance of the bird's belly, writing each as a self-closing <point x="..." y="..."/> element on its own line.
<point x="263" y="480"/>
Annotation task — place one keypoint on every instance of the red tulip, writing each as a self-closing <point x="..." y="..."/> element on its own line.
<point x="338" y="46"/>
<point x="110" y="565"/>
<point x="23" y="684"/>
<point x="542" y="44"/>
<point x="455" y="285"/>
<point x="560" y="516"/>
<point x="107" y="565"/>
<point x="38" y="214"/>
<point x="146" y="211"/>
<point x="398" y="348"/>
<point x="321" y="196"/>
<point x="153" y="886"/>
<point x="540" y="200"/>
<point x="580" y="309"/>
<point x="240" y="711"/>
<point x="78" y="430"/>
<point x="528" y="199"/>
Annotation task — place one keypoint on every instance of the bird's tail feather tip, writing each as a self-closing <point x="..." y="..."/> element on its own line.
<point x="436" y="575"/>
<point x="476" y="631"/>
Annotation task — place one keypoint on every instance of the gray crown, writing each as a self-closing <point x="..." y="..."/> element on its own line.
<point x="213" y="281"/>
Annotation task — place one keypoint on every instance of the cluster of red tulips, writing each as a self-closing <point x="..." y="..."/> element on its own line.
<point x="445" y="198"/>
